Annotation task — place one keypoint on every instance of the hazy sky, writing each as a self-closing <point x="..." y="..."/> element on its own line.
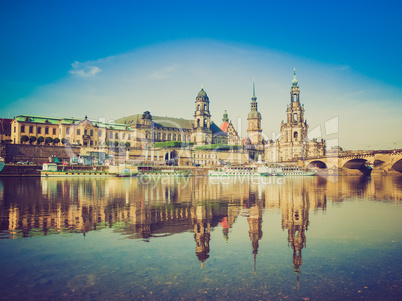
<point x="110" y="59"/>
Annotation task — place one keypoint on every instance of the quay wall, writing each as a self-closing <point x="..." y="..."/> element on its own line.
<point x="38" y="154"/>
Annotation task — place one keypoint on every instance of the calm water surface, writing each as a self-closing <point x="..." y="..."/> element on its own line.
<point x="201" y="239"/>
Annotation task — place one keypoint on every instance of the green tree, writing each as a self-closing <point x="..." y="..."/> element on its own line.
<point x="32" y="139"/>
<point x="108" y="143"/>
<point x="63" y="140"/>
<point x="40" y="139"/>
<point x="49" y="140"/>
<point x="127" y="144"/>
<point x="116" y="143"/>
<point x="24" y="138"/>
<point x="56" y="140"/>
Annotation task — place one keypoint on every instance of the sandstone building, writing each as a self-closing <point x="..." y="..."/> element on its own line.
<point x="294" y="143"/>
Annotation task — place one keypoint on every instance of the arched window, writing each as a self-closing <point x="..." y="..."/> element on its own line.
<point x="85" y="132"/>
<point x="205" y="107"/>
<point x="169" y="137"/>
<point x="295" y="135"/>
<point x="294" y="97"/>
<point x="174" y="137"/>
<point x="198" y="123"/>
<point x="179" y="137"/>
<point x="159" y="136"/>
<point x="164" y="137"/>
<point x="295" y="117"/>
<point x="91" y="133"/>
<point x="198" y="107"/>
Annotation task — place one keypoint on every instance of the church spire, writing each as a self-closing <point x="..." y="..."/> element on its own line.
<point x="253" y="98"/>
<point x="225" y="117"/>
<point x="294" y="81"/>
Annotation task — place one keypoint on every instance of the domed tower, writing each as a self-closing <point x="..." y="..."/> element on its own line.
<point x="202" y="119"/>
<point x="254" y="122"/>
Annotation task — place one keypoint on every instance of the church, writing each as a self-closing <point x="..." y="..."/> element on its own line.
<point x="294" y="143"/>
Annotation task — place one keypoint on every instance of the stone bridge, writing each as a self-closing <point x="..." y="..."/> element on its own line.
<point x="382" y="161"/>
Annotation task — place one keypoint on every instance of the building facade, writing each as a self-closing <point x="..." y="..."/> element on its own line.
<point x="294" y="143"/>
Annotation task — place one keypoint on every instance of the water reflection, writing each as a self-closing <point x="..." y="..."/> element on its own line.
<point x="152" y="208"/>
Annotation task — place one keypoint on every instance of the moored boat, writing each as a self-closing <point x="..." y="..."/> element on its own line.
<point x="51" y="170"/>
<point x="148" y="171"/>
<point x="234" y="171"/>
<point x="289" y="170"/>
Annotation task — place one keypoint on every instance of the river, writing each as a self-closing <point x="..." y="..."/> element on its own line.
<point x="200" y="238"/>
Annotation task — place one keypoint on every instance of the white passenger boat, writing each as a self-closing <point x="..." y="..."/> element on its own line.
<point x="50" y="170"/>
<point x="289" y="170"/>
<point x="234" y="171"/>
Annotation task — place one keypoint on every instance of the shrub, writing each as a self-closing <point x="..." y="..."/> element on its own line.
<point x="116" y="143"/>
<point x="127" y="144"/>
<point x="56" y="140"/>
<point x="40" y="139"/>
<point x="32" y="139"/>
<point x="24" y="138"/>
<point x="49" y="140"/>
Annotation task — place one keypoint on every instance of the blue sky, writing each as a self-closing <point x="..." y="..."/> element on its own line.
<point x="113" y="59"/>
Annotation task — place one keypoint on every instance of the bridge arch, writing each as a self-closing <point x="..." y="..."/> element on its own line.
<point x="317" y="164"/>
<point x="397" y="166"/>
<point x="358" y="163"/>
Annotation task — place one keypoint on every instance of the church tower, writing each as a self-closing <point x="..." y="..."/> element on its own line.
<point x="254" y="131"/>
<point x="202" y="120"/>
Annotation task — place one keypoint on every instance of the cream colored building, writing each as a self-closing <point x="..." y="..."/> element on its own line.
<point x="294" y="143"/>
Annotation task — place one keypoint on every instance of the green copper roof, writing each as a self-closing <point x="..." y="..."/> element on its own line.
<point x="69" y="121"/>
<point x="225" y="117"/>
<point x="294" y="81"/>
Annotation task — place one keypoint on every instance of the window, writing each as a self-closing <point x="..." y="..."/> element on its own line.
<point x="91" y="133"/>
<point x="295" y="117"/>
<point x="158" y="135"/>
<point x="198" y="107"/>
<point x="294" y="97"/>
<point x="164" y="137"/>
<point x="54" y="131"/>
<point x="205" y="107"/>
<point x="205" y="122"/>
<point x="30" y="129"/>
<point x="198" y="123"/>
<point x="179" y="137"/>
<point x="91" y="143"/>
<point x="39" y="130"/>
<point x="100" y="133"/>
<point x="174" y="137"/>
<point x="123" y="136"/>
<point x="85" y="132"/>
<point x="295" y="134"/>
<point x="129" y="136"/>
<point x="15" y="129"/>
<point x="110" y="135"/>
<point x="46" y="130"/>
<point x="116" y="136"/>
<point x="22" y="128"/>
<point x="68" y="131"/>
<point x="169" y="137"/>
<point x="78" y="132"/>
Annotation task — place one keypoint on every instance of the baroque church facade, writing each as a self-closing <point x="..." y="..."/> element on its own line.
<point x="294" y="143"/>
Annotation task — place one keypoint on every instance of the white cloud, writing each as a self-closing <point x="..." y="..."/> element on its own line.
<point x="84" y="69"/>
<point x="163" y="73"/>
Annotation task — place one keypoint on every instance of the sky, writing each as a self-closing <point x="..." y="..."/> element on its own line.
<point x="110" y="59"/>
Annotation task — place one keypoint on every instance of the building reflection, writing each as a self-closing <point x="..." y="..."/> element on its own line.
<point x="151" y="208"/>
